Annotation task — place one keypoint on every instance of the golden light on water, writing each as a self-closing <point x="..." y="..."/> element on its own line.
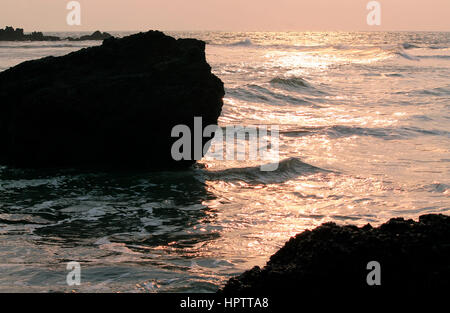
<point x="363" y="137"/>
<point x="300" y="62"/>
<point x="323" y="143"/>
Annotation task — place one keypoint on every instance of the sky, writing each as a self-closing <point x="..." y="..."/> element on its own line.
<point x="226" y="15"/>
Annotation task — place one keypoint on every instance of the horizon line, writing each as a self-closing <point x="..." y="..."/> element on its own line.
<point x="232" y="31"/>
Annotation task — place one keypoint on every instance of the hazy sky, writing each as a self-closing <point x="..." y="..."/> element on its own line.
<point x="47" y="15"/>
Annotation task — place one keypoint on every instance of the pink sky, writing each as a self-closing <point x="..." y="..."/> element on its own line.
<point x="233" y="15"/>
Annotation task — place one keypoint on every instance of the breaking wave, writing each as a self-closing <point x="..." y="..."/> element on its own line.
<point x="409" y="46"/>
<point x="287" y="169"/>
<point x="290" y="82"/>
<point x="407" y="56"/>
<point x="255" y="93"/>
<point x="246" y="42"/>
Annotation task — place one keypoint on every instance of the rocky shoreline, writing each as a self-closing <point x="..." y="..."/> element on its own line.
<point x="11" y="34"/>
<point x="413" y="256"/>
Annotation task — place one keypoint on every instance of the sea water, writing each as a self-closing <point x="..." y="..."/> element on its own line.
<point x="364" y="122"/>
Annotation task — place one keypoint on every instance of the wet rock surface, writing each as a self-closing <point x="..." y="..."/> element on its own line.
<point x="110" y="106"/>
<point x="413" y="256"/>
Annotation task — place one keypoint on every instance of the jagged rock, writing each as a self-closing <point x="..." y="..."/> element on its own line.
<point x="11" y="34"/>
<point x="97" y="35"/>
<point x="111" y="106"/>
<point x="331" y="259"/>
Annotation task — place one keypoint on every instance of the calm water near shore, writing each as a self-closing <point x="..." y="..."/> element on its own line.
<point x="364" y="136"/>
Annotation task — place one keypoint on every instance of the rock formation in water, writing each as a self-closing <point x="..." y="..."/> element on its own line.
<point x="11" y="34"/>
<point x="110" y="106"/>
<point x="97" y="35"/>
<point x="413" y="256"/>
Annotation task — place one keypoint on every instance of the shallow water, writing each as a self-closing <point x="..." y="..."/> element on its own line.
<point x="364" y="136"/>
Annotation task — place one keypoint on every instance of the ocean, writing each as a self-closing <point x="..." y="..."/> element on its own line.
<point x="364" y="124"/>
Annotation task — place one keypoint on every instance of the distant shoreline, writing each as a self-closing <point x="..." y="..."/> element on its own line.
<point x="11" y="34"/>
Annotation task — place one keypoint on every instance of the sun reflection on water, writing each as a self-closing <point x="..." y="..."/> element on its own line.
<point x="364" y="136"/>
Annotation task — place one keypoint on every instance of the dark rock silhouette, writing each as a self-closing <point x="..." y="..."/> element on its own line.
<point x="414" y="256"/>
<point x="11" y="34"/>
<point x="110" y="106"/>
<point x="97" y="35"/>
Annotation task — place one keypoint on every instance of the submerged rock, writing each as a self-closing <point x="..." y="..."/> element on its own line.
<point x="413" y="256"/>
<point x="112" y="105"/>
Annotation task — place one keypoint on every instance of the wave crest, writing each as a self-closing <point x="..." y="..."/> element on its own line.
<point x="245" y="42"/>
<point x="407" y="56"/>
<point x="289" y="168"/>
<point x="409" y="46"/>
<point x="290" y="82"/>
